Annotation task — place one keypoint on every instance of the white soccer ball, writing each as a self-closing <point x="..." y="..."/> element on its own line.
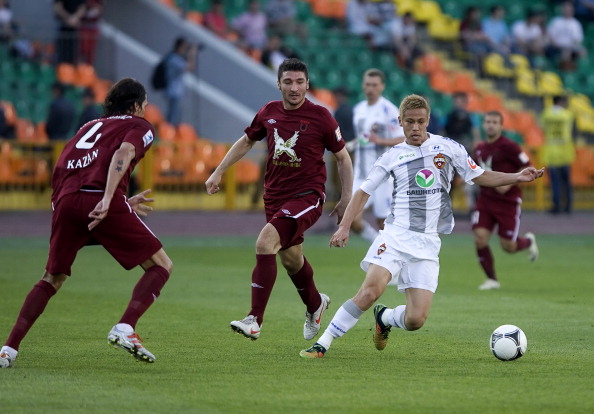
<point x="508" y="342"/>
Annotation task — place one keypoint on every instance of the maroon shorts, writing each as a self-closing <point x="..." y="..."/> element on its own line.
<point x="303" y="211"/>
<point x="122" y="233"/>
<point x="506" y="216"/>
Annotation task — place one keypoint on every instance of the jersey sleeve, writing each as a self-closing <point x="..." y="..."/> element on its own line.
<point x="379" y="173"/>
<point x="465" y="165"/>
<point x="141" y="136"/>
<point x="331" y="134"/>
<point x="257" y="131"/>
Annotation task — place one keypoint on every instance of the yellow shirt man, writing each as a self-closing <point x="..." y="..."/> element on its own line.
<point x="559" y="149"/>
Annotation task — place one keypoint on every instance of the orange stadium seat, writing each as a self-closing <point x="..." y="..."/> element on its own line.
<point x="85" y="75"/>
<point x="25" y="131"/>
<point x="247" y="172"/>
<point x="440" y="81"/>
<point x="429" y="63"/>
<point x="153" y="114"/>
<point x="9" y="112"/>
<point x="492" y="102"/>
<point x="166" y="131"/>
<point x="186" y="133"/>
<point x="326" y="97"/>
<point x="463" y="82"/>
<point x="194" y="16"/>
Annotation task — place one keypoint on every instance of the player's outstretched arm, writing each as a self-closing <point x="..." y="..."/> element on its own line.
<point x="356" y="206"/>
<point x="137" y="203"/>
<point x="235" y="153"/>
<point x="496" y="178"/>
<point x="345" y="173"/>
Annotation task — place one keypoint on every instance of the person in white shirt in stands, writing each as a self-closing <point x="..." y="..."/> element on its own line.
<point x="375" y="121"/>
<point x="406" y="253"/>
<point x="528" y="37"/>
<point x="566" y="35"/>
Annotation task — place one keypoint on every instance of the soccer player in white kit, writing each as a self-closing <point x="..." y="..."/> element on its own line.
<point x="376" y="125"/>
<point x="406" y="253"/>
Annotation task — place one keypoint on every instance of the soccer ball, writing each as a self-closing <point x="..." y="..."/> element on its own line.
<point x="508" y="342"/>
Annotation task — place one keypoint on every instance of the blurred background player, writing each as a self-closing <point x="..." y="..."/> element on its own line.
<point x="499" y="206"/>
<point x="297" y="133"/>
<point x="558" y="153"/>
<point x="375" y="121"/>
<point x="90" y="182"/>
<point x="406" y="253"/>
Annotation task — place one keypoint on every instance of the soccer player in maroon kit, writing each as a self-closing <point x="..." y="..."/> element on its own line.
<point x="297" y="133"/>
<point x="90" y="183"/>
<point x="499" y="206"/>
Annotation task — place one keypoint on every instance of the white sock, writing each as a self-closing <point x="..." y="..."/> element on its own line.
<point x="10" y="351"/>
<point x="344" y="319"/>
<point x="369" y="232"/>
<point x="395" y="317"/>
<point x="124" y="327"/>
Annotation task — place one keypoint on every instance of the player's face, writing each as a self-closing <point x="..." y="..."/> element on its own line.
<point x="140" y="109"/>
<point x="373" y="87"/>
<point x="414" y="123"/>
<point x="293" y="86"/>
<point x="492" y="126"/>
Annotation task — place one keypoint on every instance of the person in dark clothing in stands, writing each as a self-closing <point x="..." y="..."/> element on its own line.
<point x="61" y="114"/>
<point x="90" y="110"/>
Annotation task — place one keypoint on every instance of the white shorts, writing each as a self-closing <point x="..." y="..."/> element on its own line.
<point x="412" y="258"/>
<point x="380" y="200"/>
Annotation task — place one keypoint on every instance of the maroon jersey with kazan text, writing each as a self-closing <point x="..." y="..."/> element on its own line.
<point x="84" y="163"/>
<point x="503" y="155"/>
<point x="297" y="140"/>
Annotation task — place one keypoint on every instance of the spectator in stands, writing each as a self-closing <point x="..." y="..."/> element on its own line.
<point x="89" y="30"/>
<point x="181" y="60"/>
<point x="6" y="22"/>
<point x="566" y="35"/>
<point x="584" y="11"/>
<point x="495" y="29"/>
<point x="366" y="19"/>
<point x="344" y="114"/>
<point x="69" y="14"/>
<point x="472" y="37"/>
<point x="282" y="18"/>
<point x="90" y="110"/>
<point x="558" y="153"/>
<point x="61" y="114"/>
<point x="405" y="41"/>
<point x="275" y="52"/>
<point x="463" y="126"/>
<point x="529" y="39"/>
<point x="216" y="20"/>
<point x="251" y="27"/>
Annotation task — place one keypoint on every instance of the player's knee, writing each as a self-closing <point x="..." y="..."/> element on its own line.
<point x="367" y="296"/>
<point x="414" y="322"/>
<point x="55" y="280"/>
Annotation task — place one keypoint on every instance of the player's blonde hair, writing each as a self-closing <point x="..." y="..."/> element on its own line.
<point x="414" y="102"/>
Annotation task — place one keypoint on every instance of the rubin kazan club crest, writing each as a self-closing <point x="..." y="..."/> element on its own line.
<point x="281" y="146"/>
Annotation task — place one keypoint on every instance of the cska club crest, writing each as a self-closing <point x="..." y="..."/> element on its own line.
<point x="381" y="249"/>
<point x="439" y="160"/>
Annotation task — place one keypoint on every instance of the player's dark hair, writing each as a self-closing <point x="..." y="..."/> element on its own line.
<point x="376" y="73"/>
<point x="292" y="65"/>
<point x="495" y="113"/>
<point x="123" y="97"/>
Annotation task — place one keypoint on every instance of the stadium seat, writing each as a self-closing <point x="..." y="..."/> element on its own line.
<point x="166" y="131"/>
<point x="247" y="172"/>
<point x="25" y="130"/>
<point x="186" y="133"/>
<point x="153" y="114"/>
<point x="85" y="75"/>
<point x="66" y="73"/>
<point x="194" y="16"/>
<point x="494" y="65"/>
<point x="550" y="83"/>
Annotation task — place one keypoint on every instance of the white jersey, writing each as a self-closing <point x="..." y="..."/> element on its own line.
<point x="422" y="181"/>
<point x="382" y="118"/>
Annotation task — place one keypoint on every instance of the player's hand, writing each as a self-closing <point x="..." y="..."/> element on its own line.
<point x="98" y="213"/>
<point x="212" y="184"/>
<point x="137" y="203"/>
<point x="530" y="174"/>
<point x="340" y="238"/>
<point x="339" y="211"/>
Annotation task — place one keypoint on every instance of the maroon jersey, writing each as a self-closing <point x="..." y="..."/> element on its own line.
<point x="503" y="155"/>
<point x="296" y="142"/>
<point x="84" y="163"/>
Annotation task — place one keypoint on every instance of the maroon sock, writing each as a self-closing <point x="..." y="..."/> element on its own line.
<point x="34" y="304"/>
<point x="306" y="287"/>
<point x="522" y="243"/>
<point x="487" y="262"/>
<point x="145" y="292"/>
<point x="263" y="278"/>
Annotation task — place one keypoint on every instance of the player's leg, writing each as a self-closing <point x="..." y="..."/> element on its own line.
<point x="263" y="279"/>
<point x="347" y="316"/>
<point x="555" y="177"/>
<point x="483" y="222"/>
<point x="508" y="218"/>
<point x="33" y="306"/>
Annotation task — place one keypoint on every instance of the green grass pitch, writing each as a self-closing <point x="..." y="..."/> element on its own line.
<point x="66" y="366"/>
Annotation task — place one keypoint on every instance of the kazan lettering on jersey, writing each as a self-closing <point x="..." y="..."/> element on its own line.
<point x="82" y="162"/>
